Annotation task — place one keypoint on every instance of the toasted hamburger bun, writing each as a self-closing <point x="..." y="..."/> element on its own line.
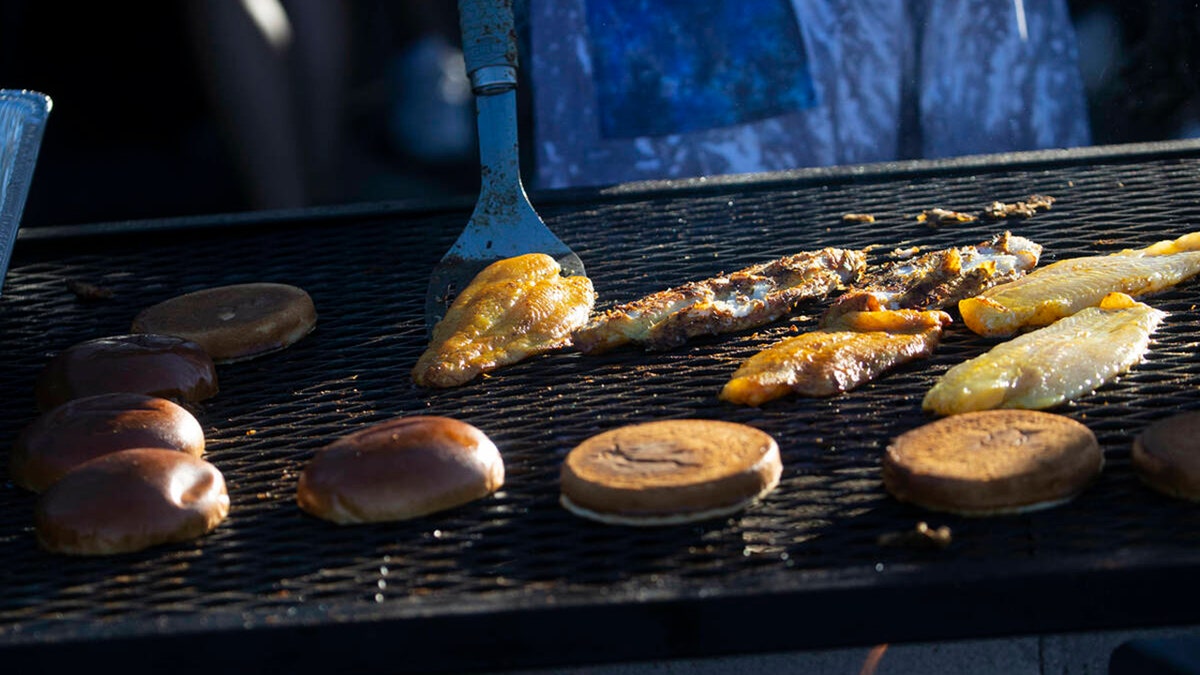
<point x="992" y="462"/>
<point x="85" y="428"/>
<point x="236" y="322"/>
<point x="669" y="472"/>
<point x="1166" y="456"/>
<point x="130" y="500"/>
<point x="166" y="366"/>
<point x="400" y="469"/>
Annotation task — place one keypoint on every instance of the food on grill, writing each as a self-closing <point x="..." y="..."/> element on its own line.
<point x="744" y="299"/>
<point x="88" y="292"/>
<point x="669" y="472"/>
<point x="400" y="469"/>
<point x="514" y="309"/>
<point x="1061" y="362"/>
<point x="1022" y="209"/>
<point x="236" y="322"/>
<point x="994" y="211"/>
<point x="131" y="500"/>
<point x="935" y="217"/>
<point x="855" y="349"/>
<point x="86" y="428"/>
<point x="142" y="363"/>
<point x="852" y="218"/>
<point x="992" y="462"/>
<point x="891" y="319"/>
<point x="1067" y="286"/>
<point x="1166" y="456"/>
<point x="940" y="278"/>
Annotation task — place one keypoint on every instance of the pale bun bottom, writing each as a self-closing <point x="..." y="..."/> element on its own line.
<point x="668" y="472"/>
<point x="1009" y="510"/>
<point x="661" y="519"/>
<point x="993" y="462"/>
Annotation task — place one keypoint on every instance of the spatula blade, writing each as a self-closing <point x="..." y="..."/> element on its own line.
<point x="504" y="223"/>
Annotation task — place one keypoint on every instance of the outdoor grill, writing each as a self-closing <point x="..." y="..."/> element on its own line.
<point x="515" y="580"/>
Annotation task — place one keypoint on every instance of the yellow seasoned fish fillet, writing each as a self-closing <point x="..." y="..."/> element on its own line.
<point x="513" y="309"/>
<point x="1060" y="362"/>
<point x="1067" y="286"/>
<point x="837" y="358"/>
<point x="744" y="299"/>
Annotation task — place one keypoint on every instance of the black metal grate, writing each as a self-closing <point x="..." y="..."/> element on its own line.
<point x="271" y="566"/>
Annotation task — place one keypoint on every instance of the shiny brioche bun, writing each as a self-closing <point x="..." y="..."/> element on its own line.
<point x="85" y="428"/>
<point x="130" y="500"/>
<point x="235" y="322"/>
<point x="400" y="469"/>
<point x="142" y="363"/>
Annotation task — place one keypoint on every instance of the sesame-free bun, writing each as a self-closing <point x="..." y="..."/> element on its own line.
<point x="130" y="500"/>
<point x="668" y="472"/>
<point x="1166" y="456"/>
<point x="992" y="462"/>
<point x="236" y="322"/>
<point x="155" y="365"/>
<point x="85" y="428"/>
<point x="400" y="469"/>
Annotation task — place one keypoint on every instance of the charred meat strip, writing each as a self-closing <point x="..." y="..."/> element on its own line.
<point x="941" y="278"/>
<point x="744" y="299"/>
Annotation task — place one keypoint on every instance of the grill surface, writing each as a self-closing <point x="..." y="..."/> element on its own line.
<point x="515" y="580"/>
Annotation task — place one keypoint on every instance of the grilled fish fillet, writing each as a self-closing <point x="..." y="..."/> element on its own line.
<point x="744" y="299"/>
<point x="890" y="320"/>
<point x="1057" y="363"/>
<point x="836" y="358"/>
<point x="940" y="278"/>
<point x="515" y="308"/>
<point x="1067" y="286"/>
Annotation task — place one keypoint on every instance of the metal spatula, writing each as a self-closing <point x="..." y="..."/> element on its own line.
<point x="22" y="121"/>
<point x="504" y="223"/>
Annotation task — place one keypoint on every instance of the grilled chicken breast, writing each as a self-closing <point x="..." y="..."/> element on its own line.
<point x="744" y="299"/>
<point x="1051" y="365"/>
<point x="513" y="309"/>
<point x="1067" y="286"/>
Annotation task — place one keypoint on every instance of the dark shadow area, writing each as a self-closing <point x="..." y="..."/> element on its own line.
<point x="140" y="130"/>
<point x="149" y="121"/>
<point x="1140" y="68"/>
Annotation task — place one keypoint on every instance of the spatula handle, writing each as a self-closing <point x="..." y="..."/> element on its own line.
<point x="489" y="45"/>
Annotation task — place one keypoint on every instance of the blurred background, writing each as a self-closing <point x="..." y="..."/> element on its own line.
<point x="155" y="102"/>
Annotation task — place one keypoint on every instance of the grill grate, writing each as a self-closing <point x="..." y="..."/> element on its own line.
<point x="271" y="565"/>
